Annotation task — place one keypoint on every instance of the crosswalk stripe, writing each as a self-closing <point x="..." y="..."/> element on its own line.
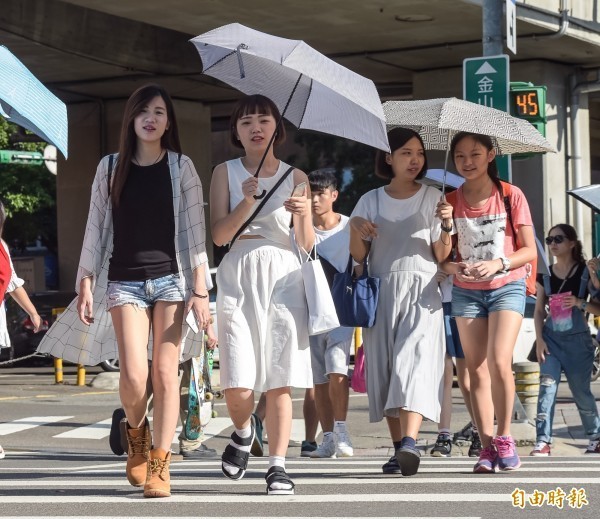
<point x="101" y="430"/>
<point x="236" y="499"/>
<point x="257" y="479"/>
<point x="22" y="424"/>
<point x="333" y="471"/>
<point x="301" y="465"/>
<point x="95" y="431"/>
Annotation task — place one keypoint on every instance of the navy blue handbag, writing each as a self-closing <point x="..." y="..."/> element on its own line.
<point x="355" y="298"/>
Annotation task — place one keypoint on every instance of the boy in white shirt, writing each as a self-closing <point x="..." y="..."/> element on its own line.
<point x="330" y="351"/>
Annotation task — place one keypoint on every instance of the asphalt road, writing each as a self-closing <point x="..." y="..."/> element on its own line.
<point x="58" y="464"/>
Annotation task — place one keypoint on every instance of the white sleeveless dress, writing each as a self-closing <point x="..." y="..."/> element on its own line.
<point x="262" y="312"/>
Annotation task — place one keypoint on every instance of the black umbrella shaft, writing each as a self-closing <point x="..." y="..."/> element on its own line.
<point x="279" y="123"/>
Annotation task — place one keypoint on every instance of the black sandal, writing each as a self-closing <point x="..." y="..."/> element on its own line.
<point x="236" y="457"/>
<point x="278" y="475"/>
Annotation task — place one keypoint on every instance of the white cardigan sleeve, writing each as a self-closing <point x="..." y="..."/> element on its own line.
<point x="91" y="251"/>
<point x="193" y="212"/>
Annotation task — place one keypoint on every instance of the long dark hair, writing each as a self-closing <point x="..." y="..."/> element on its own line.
<point x="487" y="143"/>
<point x="397" y="138"/>
<point x="571" y="235"/>
<point x="128" y="140"/>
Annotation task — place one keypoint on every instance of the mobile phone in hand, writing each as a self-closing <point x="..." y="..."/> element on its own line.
<point x="299" y="189"/>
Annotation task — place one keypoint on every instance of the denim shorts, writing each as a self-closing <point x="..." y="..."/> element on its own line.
<point x="480" y="303"/>
<point x="145" y="294"/>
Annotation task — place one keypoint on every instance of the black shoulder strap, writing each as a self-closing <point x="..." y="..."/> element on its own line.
<point x="111" y="159"/>
<point x="509" y="218"/>
<point x="261" y="205"/>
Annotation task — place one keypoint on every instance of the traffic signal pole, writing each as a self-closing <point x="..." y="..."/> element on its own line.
<point x="492" y="27"/>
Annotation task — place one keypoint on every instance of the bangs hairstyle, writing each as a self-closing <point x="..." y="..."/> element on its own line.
<point x="397" y="138"/>
<point x="128" y="140"/>
<point x="488" y="143"/>
<point x="255" y="104"/>
<point x="322" y="179"/>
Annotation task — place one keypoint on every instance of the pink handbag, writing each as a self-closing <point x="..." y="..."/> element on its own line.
<point x="359" y="381"/>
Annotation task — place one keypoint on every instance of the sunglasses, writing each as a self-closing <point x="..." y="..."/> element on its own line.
<point x="559" y="238"/>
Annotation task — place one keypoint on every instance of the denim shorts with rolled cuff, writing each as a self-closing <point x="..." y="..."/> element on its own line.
<point x="145" y="294"/>
<point x="480" y="303"/>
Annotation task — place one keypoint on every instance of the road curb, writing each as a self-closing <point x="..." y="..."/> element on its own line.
<point x="106" y="380"/>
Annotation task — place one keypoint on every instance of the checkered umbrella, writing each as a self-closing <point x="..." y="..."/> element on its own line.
<point x="28" y="103"/>
<point x="310" y="90"/>
<point x="438" y="120"/>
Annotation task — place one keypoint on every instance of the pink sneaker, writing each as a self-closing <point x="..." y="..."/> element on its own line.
<point x="508" y="459"/>
<point x="487" y="461"/>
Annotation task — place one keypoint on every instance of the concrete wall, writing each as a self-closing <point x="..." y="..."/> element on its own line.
<point x="73" y="186"/>
<point x="94" y="132"/>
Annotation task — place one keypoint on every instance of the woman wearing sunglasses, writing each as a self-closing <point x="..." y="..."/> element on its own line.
<point x="563" y="340"/>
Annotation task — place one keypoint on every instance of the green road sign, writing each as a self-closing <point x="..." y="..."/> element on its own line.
<point x="32" y="158"/>
<point x="486" y="82"/>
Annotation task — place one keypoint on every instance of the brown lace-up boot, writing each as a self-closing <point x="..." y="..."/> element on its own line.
<point x="158" y="481"/>
<point x="139" y="441"/>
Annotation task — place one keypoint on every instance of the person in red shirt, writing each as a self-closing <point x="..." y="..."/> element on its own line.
<point x="11" y="284"/>
<point x="488" y="298"/>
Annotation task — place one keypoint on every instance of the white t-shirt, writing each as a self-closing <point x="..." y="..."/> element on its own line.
<point x="334" y="245"/>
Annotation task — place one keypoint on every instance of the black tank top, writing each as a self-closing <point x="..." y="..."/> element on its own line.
<point x="144" y="226"/>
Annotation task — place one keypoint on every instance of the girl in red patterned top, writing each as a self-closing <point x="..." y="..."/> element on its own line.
<point x="488" y="299"/>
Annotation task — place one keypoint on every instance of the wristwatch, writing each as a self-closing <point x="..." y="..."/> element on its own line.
<point x="505" y="264"/>
<point x="448" y="229"/>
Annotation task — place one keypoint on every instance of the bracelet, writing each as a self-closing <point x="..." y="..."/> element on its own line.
<point x="199" y="295"/>
<point x="446" y="229"/>
<point x="584" y="306"/>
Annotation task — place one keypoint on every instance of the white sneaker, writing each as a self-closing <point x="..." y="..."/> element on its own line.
<point x="326" y="449"/>
<point x="343" y="445"/>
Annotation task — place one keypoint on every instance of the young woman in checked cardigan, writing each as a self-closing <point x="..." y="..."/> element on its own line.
<point x="143" y="262"/>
